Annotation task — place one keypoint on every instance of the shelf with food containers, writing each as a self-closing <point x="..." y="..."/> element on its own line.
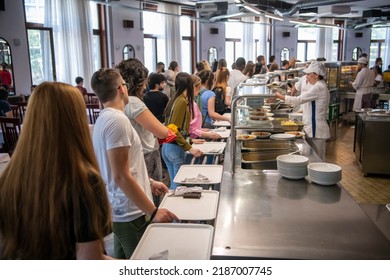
<point x="348" y="72"/>
<point x="332" y="75"/>
<point x="259" y="125"/>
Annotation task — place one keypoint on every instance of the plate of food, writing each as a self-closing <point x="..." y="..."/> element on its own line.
<point x="261" y="134"/>
<point x="298" y="134"/>
<point x="289" y="125"/>
<point x="260" y="120"/>
<point x="246" y="137"/>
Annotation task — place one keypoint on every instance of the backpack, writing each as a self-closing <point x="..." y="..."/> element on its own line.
<point x="219" y="100"/>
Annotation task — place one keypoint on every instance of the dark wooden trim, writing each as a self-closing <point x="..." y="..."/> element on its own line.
<point x="103" y="35"/>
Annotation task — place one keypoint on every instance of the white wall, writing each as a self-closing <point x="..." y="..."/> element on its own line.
<point x="208" y="40"/>
<point x="122" y="36"/>
<point x="352" y="42"/>
<point x="281" y="42"/>
<point x="13" y="30"/>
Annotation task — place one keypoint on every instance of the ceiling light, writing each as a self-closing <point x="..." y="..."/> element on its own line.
<point x="276" y="17"/>
<point x="226" y="16"/>
<point x="252" y="8"/>
<point x="327" y="25"/>
<point x="302" y="22"/>
<point x="257" y="11"/>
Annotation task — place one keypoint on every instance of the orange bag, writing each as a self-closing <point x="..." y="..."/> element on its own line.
<point x="170" y="138"/>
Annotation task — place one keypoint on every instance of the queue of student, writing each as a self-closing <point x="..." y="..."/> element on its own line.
<point x="63" y="191"/>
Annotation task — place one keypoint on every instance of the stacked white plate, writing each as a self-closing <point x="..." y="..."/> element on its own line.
<point x="282" y="136"/>
<point x="292" y="166"/>
<point x="323" y="173"/>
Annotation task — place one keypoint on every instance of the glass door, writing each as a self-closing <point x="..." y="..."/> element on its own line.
<point x="41" y="47"/>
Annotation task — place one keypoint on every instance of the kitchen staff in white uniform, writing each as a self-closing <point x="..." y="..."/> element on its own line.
<point x="363" y="84"/>
<point x="315" y="104"/>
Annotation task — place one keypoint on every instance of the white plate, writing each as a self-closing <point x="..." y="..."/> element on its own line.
<point x="183" y="242"/>
<point x="297" y="134"/>
<point x="4" y="157"/>
<point x="211" y="147"/>
<point x="212" y="172"/>
<point x="253" y="114"/>
<point x="293" y="159"/>
<point x="246" y="137"/>
<point x="221" y="123"/>
<point x="282" y="136"/>
<point x="257" y="122"/>
<point x="320" y="182"/>
<point x="223" y="133"/>
<point x="324" y="167"/>
<point x="203" y="209"/>
<point x="292" y="177"/>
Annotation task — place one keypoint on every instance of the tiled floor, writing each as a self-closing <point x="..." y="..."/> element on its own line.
<point x="374" y="189"/>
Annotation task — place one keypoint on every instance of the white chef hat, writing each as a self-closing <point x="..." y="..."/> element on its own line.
<point x="316" y="67"/>
<point x="363" y="60"/>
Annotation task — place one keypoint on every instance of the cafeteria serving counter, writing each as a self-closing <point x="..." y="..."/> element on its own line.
<point x="264" y="216"/>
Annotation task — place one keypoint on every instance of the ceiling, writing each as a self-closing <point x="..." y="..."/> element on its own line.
<point x="358" y="14"/>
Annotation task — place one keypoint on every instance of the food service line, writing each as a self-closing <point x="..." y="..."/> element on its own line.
<point x="262" y="215"/>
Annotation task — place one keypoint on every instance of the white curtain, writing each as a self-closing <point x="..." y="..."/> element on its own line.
<point x="261" y="33"/>
<point x="72" y="35"/>
<point x="172" y="32"/>
<point x="386" y="55"/>
<point x="325" y="39"/>
<point x="248" y="41"/>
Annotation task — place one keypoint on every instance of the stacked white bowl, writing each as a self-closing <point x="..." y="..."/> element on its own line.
<point x="292" y="166"/>
<point x="323" y="173"/>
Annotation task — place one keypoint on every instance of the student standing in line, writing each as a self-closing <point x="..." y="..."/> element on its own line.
<point x="53" y="202"/>
<point x="160" y="67"/>
<point x="179" y="112"/>
<point x="236" y="75"/>
<point x="155" y="99"/>
<point x="141" y="118"/>
<point x="119" y="153"/>
<point x="208" y="100"/>
<point x="196" y="130"/>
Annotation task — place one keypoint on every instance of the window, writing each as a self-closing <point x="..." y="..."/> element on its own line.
<point x="306" y="48"/>
<point x="186" y="27"/>
<point x="154" y="39"/>
<point x="35" y="11"/>
<point x="335" y="44"/>
<point x="233" y="45"/>
<point x="52" y="51"/>
<point x="97" y="64"/>
<point x="377" y="46"/>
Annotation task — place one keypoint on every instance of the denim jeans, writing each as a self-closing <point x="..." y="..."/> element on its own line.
<point x="173" y="156"/>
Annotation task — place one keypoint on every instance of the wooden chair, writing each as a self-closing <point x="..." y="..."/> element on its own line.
<point x="93" y="112"/>
<point x="11" y="130"/>
<point x="15" y="110"/>
<point x="91" y="98"/>
<point x="22" y="109"/>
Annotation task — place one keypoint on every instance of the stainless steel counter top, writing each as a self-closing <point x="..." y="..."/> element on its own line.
<point x="264" y="216"/>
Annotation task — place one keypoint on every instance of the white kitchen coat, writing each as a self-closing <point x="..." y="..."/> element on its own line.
<point x="315" y="104"/>
<point x="363" y="83"/>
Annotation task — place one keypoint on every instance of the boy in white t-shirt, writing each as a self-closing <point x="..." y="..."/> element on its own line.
<point x="119" y="153"/>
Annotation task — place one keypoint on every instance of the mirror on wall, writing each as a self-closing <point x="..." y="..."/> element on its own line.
<point x="128" y="52"/>
<point x="284" y="54"/>
<point x="212" y="55"/>
<point x="356" y="53"/>
<point x="6" y="65"/>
